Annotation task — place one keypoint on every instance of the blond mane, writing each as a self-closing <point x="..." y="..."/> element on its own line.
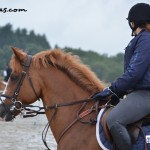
<point x="72" y="66"/>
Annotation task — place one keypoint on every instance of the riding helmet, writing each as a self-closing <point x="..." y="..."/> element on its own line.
<point x="139" y="12"/>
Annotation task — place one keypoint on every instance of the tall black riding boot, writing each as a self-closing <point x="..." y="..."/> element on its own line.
<point x="121" y="137"/>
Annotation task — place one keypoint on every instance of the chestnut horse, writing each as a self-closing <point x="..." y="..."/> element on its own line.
<point x="57" y="78"/>
<point x="2" y="86"/>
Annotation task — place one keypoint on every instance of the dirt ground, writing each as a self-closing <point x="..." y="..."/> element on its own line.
<point x="25" y="134"/>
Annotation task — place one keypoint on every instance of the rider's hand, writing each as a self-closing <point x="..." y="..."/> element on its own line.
<point x="103" y="95"/>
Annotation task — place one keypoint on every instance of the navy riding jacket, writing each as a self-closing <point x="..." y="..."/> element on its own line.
<point x="136" y="74"/>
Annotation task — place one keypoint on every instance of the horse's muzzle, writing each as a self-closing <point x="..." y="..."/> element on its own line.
<point x="5" y="113"/>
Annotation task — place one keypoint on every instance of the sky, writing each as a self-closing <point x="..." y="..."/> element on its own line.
<point x="97" y="25"/>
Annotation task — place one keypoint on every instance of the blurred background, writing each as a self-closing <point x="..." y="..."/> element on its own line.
<point x="96" y="30"/>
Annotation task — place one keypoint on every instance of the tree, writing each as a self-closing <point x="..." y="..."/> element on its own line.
<point x="19" y="38"/>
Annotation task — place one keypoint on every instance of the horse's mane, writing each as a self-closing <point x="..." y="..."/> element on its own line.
<point x="71" y="65"/>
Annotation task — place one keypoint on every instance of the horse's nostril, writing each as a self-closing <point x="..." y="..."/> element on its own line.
<point x="2" y="113"/>
<point x="8" y="117"/>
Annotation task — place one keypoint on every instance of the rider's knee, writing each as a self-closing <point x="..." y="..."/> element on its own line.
<point x="111" y="120"/>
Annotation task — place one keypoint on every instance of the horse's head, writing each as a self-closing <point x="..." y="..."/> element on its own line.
<point x="20" y="85"/>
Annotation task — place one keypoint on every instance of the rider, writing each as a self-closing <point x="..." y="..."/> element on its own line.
<point x="6" y="73"/>
<point x="135" y="81"/>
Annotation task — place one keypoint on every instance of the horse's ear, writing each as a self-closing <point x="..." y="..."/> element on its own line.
<point x="20" y="55"/>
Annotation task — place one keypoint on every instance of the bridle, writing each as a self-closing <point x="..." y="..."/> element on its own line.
<point x="18" y="106"/>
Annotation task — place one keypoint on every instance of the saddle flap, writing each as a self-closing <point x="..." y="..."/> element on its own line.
<point x="104" y="124"/>
<point x="133" y="129"/>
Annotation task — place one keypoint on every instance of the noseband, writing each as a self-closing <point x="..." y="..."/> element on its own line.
<point x="17" y="105"/>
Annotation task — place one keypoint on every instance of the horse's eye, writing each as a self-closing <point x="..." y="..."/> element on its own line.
<point x="14" y="77"/>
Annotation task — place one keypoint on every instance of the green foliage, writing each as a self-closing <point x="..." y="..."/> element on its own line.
<point x="21" y="38"/>
<point x="107" y="68"/>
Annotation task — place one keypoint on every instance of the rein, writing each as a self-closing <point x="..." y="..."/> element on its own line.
<point x="80" y="115"/>
<point x="36" y="112"/>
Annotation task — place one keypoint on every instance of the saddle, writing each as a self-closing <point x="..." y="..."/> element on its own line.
<point x="134" y="129"/>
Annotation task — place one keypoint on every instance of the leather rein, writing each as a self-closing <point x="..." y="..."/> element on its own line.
<point x="31" y="110"/>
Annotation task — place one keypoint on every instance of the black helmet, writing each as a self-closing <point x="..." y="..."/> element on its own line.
<point x="140" y="15"/>
<point x="139" y="12"/>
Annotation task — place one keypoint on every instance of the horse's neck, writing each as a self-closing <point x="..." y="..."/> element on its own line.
<point x="58" y="88"/>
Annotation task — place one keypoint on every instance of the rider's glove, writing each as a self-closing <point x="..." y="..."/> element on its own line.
<point x="103" y="95"/>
